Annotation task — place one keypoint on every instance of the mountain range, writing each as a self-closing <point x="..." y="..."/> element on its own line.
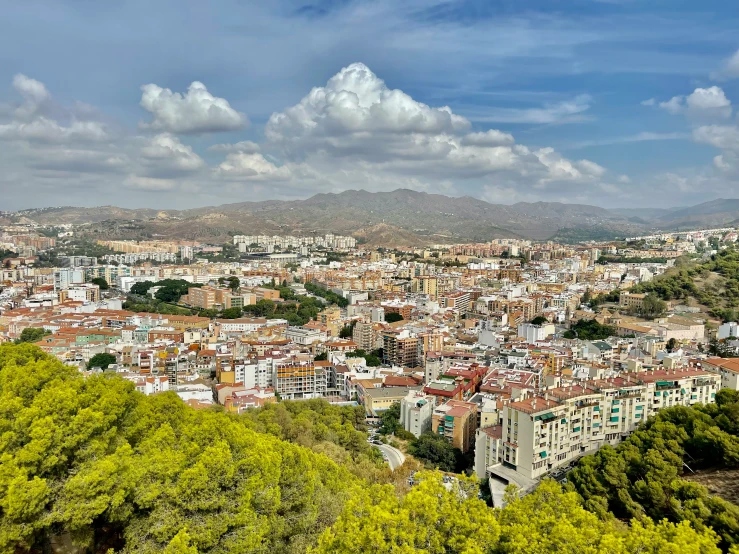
<point x="401" y="218"/>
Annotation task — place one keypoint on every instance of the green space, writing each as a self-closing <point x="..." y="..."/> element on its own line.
<point x="90" y="463"/>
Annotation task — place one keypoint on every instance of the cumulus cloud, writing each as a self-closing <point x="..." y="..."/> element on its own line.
<point x="729" y="69"/>
<point x="197" y="111"/>
<point x="356" y="101"/>
<point x="725" y="137"/>
<point x="493" y="137"/>
<point x="702" y="103"/>
<point x="252" y="167"/>
<point x="358" y="130"/>
<point x="31" y="120"/>
<point x="165" y="152"/>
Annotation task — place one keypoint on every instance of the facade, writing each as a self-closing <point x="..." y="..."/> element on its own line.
<point x="416" y="409"/>
<point x="727" y="368"/>
<point x="299" y="380"/>
<point x="542" y="433"/>
<point x="456" y="421"/>
<point x="400" y="348"/>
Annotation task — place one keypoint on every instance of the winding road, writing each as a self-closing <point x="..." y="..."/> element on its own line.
<point x="394" y="456"/>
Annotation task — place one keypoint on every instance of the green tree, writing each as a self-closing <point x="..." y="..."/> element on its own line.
<point x="32" y="334"/>
<point x="102" y="360"/>
<point x="231" y="313"/>
<point x="393" y="317"/>
<point x="671" y="345"/>
<point x="435" y="451"/>
<point x="102" y="283"/>
<point x="539" y="320"/>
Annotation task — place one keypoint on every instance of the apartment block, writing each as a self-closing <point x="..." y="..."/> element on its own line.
<point x="400" y="348"/>
<point x="416" y="410"/>
<point x="456" y="421"/>
<point x="299" y="380"/>
<point x="541" y="433"/>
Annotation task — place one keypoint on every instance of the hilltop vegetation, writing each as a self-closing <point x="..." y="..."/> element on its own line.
<point x="91" y="461"/>
<point x="713" y="283"/>
<point x="641" y="476"/>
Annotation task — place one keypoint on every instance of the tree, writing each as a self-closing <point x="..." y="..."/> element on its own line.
<point x="671" y="345"/>
<point x="32" y="334"/>
<point x="390" y="419"/>
<point x="102" y="360"/>
<point x="392" y="317"/>
<point x="652" y="306"/>
<point x="102" y="283"/>
<point x="435" y="451"/>
<point x="539" y="320"/>
<point x="347" y="331"/>
<point x="231" y="313"/>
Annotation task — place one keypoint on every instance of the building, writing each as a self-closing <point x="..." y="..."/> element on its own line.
<point x="400" y="348"/>
<point x="298" y="380"/>
<point x="729" y="329"/>
<point x="544" y="432"/>
<point x="727" y="368"/>
<point x="416" y="409"/>
<point x="532" y="333"/>
<point x="379" y="399"/>
<point x="631" y="300"/>
<point x="456" y="421"/>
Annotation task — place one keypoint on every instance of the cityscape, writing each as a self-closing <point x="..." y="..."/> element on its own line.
<point x="444" y="276"/>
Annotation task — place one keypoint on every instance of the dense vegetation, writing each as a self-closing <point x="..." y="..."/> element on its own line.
<point x="327" y="294"/>
<point x="589" y="329"/>
<point x="641" y="476"/>
<point x="32" y="334"/>
<point x="170" y="290"/>
<point x="92" y="461"/>
<point x="695" y="280"/>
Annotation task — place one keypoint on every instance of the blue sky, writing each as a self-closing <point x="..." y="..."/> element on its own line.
<point x="567" y="81"/>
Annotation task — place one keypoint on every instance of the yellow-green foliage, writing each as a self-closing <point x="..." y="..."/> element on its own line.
<point x="92" y="461"/>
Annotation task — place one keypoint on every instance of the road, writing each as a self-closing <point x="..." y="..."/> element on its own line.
<point x="394" y="456"/>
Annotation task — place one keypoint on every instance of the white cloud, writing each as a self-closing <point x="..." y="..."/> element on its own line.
<point x="244" y="146"/>
<point x="197" y="111"/>
<point x="47" y="130"/>
<point x="725" y="137"/>
<point x="356" y="101"/>
<point x="149" y="183"/>
<point x="674" y="105"/>
<point x="31" y="120"/>
<point x="492" y="137"/>
<point x="165" y="152"/>
<point x="648" y="102"/>
<point x="34" y="93"/>
<point x="254" y="167"/>
<point x="702" y="103"/>
<point x="729" y="69"/>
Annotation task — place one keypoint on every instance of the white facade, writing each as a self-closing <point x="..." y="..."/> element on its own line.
<point x="416" y="410"/>
<point x="730" y="329"/>
<point x="532" y="333"/>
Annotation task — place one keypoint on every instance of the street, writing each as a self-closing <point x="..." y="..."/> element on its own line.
<point x="394" y="456"/>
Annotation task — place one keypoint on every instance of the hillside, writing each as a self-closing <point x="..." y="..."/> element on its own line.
<point x="423" y="218"/>
<point x="91" y="465"/>
<point x="715" y="213"/>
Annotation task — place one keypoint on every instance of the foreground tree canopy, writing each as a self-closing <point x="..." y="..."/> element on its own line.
<point x="91" y="461"/>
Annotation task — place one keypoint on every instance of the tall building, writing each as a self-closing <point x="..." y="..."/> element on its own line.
<point x="416" y="410"/>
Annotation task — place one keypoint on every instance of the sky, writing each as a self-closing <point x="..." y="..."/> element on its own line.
<point x="173" y="105"/>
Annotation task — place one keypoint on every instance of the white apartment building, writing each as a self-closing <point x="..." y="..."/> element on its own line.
<point x="542" y="433"/>
<point x="305" y="337"/>
<point x="416" y="410"/>
<point x="729" y="329"/>
<point x="727" y="368"/>
<point x="533" y="333"/>
<point x="241" y="325"/>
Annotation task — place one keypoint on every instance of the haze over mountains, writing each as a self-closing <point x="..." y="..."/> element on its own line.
<point x="400" y="217"/>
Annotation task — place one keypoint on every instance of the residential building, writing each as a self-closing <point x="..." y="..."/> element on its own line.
<point x="416" y="409"/>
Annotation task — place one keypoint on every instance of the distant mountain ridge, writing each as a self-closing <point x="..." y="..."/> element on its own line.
<point x="375" y="216"/>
